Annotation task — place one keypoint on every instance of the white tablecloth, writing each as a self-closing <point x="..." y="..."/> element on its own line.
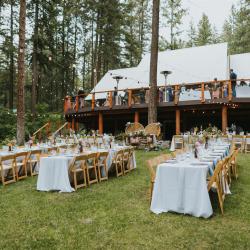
<point x="181" y="188"/>
<point x="53" y="174"/>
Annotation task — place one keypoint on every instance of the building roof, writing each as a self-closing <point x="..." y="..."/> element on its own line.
<point x="188" y="65"/>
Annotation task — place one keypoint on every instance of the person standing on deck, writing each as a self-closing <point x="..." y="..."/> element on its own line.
<point x="233" y="78"/>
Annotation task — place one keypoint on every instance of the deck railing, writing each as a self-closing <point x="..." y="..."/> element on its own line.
<point x="201" y="91"/>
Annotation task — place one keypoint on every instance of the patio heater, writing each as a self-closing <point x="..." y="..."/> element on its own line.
<point x="166" y="73"/>
<point x="117" y="78"/>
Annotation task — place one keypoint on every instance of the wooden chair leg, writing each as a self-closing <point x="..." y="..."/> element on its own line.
<point x="220" y="199"/>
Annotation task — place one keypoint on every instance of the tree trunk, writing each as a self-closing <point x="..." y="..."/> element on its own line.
<point x="11" y="89"/>
<point x="21" y="75"/>
<point x="152" y="109"/>
<point x="34" y="63"/>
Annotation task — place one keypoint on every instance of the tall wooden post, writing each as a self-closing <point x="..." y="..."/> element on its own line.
<point x="76" y="125"/>
<point x="177" y="122"/>
<point x="100" y="123"/>
<point x="224" y="118"/>
<point x="129" y="98"/>
<point x="93" y="101"/>
<point x="137" y="116"/>
<point x="110" y="99"/>
<point x="203" y="92"/>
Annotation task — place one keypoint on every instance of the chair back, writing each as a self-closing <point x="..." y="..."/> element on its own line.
<point x="216" y="177"/>
<point x="76" y="159"/>
<point x="21" y="156"/>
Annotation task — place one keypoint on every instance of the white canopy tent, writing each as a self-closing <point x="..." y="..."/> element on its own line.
<point x="240" y="63"/>
<point x="187" y="65"/>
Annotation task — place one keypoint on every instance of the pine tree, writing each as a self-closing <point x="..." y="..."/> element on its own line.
<point x="191" y="35"/>
<point x="241" y="34"/>
<point x="173" y="14"/>
<point x="205" y="33"/>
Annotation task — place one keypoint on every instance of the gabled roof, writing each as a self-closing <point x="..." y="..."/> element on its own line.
<point x="188" y="65"/>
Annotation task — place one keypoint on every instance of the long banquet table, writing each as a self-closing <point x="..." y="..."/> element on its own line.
<point x="54" y="170"/>
<point x="181" y="186"/>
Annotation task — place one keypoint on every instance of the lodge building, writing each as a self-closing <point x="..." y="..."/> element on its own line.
<point x="197" y="92"/>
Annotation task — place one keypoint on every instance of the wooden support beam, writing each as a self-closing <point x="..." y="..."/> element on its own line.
<point x="224" y="118"/>
<point x="203" y="92"/>
<point x="100" y="123"/>
<point x="76" y="125"/>
<point x="177" y="122"/>
<point x="137" y="116"/>
<point x="110" y="99"/>
<point x="129" y="98"/>
<point x="93" y="101"/>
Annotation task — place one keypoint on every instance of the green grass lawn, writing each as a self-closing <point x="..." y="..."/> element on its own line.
<point x="116" y="215"/>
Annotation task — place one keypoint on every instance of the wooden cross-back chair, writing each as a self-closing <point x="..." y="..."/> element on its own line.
<point x="102" y="165"/>
<point x="247" y="144"/>
<point x="216" y="183"/>
<point x="233" y="163"/>
<point x="53" y="150"/>
<point x="226" y="167"/>
<point x="7" y="169"/>
<point x="152" y="165"/>
<point x="77" y="167"/>
<point x="178" y="141"/>
<point x="21" y="165"/>
<point x="118" y="163"/>
<point x="91" y="168"/>
<point x="238" y="141"/>
<point x="127" y="156"/>
<point x="33" y="161"/>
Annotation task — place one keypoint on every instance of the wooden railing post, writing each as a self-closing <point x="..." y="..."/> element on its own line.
<point x="176" y="99"/>
<point x="137" y="116"/>
<point x="224" y="118"/>
<point x="93" y="101"/>
<point x="110" y="99"/>
<point x="203" y="92"/>
<point x="230" y="91"/>
<point x="129" y="98"/>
